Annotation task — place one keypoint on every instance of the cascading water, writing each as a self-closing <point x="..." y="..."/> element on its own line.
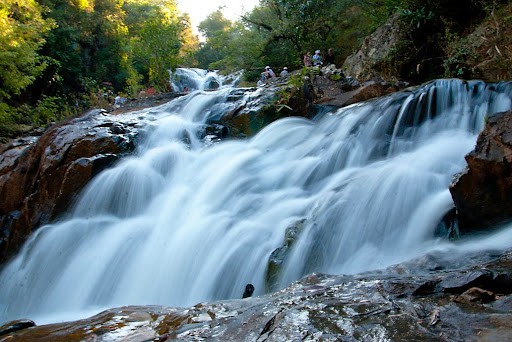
<point x="183" y="221"/>
<point x="199" y="79"/>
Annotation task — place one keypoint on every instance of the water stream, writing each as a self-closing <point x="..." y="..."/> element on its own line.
<point x="182" y="221"/>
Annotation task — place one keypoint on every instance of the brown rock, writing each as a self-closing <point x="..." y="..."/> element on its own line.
<point x="475" y="295"/>
<point x="39" y="177"/>
<point x="483" y="192"/>
<point x="367" y="91"/>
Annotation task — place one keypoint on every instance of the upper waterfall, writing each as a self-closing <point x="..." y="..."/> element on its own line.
<point x="199" y="79"/>
<point x="182" y="221"/>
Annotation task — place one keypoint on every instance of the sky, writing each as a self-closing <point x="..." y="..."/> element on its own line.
<point x="200" y="9"/>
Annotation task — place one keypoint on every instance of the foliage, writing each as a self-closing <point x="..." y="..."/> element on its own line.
<point x="22" y="32"/>
<point x="455" y="62"/>
<point x="278" y="33"/>
<point x="55" y="53"/>
<point x="50" y="109"/>
<point x="486" y="53"/>
<point x="299" y="26"/>
<point x="295" y="84"/>
<point x="157" y="35"/>
<point x="217" y="31"/>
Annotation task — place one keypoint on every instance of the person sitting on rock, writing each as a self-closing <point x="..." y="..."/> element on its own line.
<point x="317" y="58"/>
<point x="270" y="71"/>
<point x="264" y="76"/>
<point x="284" y="73"/>
<point x="307" y="60"/>
<point x="329" y="58"/>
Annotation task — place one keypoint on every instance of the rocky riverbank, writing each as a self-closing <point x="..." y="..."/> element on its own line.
<point x="434" y="298"/>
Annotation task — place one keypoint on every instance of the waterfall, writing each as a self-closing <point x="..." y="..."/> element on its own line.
<point x="199" y="79"/>
<point x="182" y="221"/>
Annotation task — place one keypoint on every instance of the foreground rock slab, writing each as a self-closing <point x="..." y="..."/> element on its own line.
<point x="416" y="301"/>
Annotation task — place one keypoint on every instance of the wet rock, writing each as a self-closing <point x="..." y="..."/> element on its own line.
<point x="216" y="131"/>
<point x="367" y="91"/>
<point x="427" y="288"/>
<point x="458" y="283"/>
<point x="14" y="326"/>
<point x="278" y="256"/>
<point x="501" y="282"/>
<point x="40" y="176"/>
<point x="247" y="116"/>
<point x="502" y="303"/>
<point x="449" y="226"/>
<point x="320" y="307"/>
<point x="475" y="295"/>
<point x="212" y="84"/>
<point x="249" y="289"/>
<point x="483" y="192"/>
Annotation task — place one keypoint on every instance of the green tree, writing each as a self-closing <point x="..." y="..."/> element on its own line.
<point x="22" y="33"/>
<point x="293" y="27"/>
<point x="157" y="35"/>
<point x="86" y="48"/>
<point x="218" y="32"/>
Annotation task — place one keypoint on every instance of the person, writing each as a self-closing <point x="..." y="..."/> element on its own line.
<point x="117" y="101"/>
<point x="329" y="58"/>
<point x="307" y="59"/>
<point x="284" y="73"/>
<point x="270" y="71"/>
<point x="264" y="76"/>
<point x="317" y="59"/>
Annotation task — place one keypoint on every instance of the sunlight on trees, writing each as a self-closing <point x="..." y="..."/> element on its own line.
<point x="22" y="33"/>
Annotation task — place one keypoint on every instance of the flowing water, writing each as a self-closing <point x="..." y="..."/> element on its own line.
<point x="184" y="221"/>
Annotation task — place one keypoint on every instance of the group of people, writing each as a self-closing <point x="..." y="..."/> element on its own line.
<point x="317" y="59"/>
<point x="269" y="73"/>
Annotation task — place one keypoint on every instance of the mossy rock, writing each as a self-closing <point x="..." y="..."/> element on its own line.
<point x="278" y="257"/>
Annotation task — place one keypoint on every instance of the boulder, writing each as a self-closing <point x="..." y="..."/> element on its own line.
<point x="40" y="176"/>
<point x="482" y="193"/>
<point x="377" y="52"/>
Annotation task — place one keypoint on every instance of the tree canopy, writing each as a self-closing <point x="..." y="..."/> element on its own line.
<point x="23" y="31"/>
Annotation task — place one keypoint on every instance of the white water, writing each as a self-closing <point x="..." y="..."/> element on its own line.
<point x="180" y="223"/>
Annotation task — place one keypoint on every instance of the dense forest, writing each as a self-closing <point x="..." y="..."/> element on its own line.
<point x="60" y="57"/>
